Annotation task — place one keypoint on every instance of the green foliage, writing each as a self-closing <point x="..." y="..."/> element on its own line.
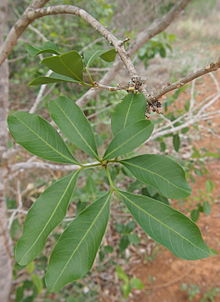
<point x="47" y="47"/>
<point x="194" y="290"/>
<point x="74" y="125"/>
<point x="167" y="226"/>
<point x="44" y="217"/>
<point x="205" y="201"/>
<point x="80" y="251"/>
<point x="176" y="142"/>
<point x="109" y="56"/>
<point x="161" y="172"/>
<point x="128" y="283"/>
<point x="69" y="64"/>
<point x="128" y="112"/>
<point x="210" y="295"/>
<point x="54" y="78"/>
<point x="128" y="139"/>
<point x="157" y="45"/>
<point x="39" y="137"/>
<point x="127" y="237"/>
<point x="77" y="247"/>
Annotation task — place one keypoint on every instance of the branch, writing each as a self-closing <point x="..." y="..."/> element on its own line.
<point x="158" y="26"/>
<point x="212" y="67"/>
<point x="18" y="29"/>
<point x="41" y="165"/>
<point x="31" y="14"/>
<point x="143" y="37"/>
<point x="34" y="11"/>
<point x="39" y="95"/>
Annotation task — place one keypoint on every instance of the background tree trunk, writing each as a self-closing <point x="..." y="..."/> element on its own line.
<point x="5" y="245"/>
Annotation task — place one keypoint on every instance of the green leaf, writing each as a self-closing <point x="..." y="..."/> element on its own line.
<point x="206" y="207"/>
<point x="37" y="282"/>
<point x="209" y="186"/>
<point x="129" y="111"/>
<point x="167" y="226"/>
<point x="185" y="130"/>
<point x="176" y="142"/>
<point x="194" y="215"/>
<point x="69" y="64"/>
<point x="126" y="289"/>
<point x="37" y="136"/>
<point x="54" y="78"/>
<point x="121" y="274"/>
<point x="47" y="47"/>
<point x="30" y="267"/>
<point x="162" y="147"/>
<point x="45" y="214"/>
<point x="109" y="55"/>
<point x="129" y="138"/>
<point x="133" y="238"/>
<point x="32" y="50"/>
<point x="124" y="243"/>
<point x="136" y="283"/>
<point x="160" y="171"/>
<point x="73" y="123"/>
<point x="76" y="249"/>
<point x="92" y="57"/>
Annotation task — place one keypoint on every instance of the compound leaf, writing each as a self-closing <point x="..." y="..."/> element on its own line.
<point x="129" y="111"/>
<point x="73" y="123"/>
<point x="109" y="55"/>
<point x="129" y="138"/>
<point x="37" y="136"/>
<point x="167" y="226"/>
<point x="69" y="64"/>
<point x="45" y="214"/>
<point x="76" y="249"/>
<point x="176" y="142"/>
<point x="160" y="171"/>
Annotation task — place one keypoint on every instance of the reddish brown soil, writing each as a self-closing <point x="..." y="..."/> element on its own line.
<point x="169" y="272"/>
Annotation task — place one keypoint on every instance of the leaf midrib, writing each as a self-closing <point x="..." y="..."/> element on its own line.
<point x="125" y="142"/>
<point x="82" y="239"/>
<point x="62" y="155"/>
<point x="163" y="224"/>
<point x="91" y="58"/>
<point x="154" y="173"/>
<point x="52" y="215"/>
<point x="64" y="113"/>
<point x="128" y="111"/>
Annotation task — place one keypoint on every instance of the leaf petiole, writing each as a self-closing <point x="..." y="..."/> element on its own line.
<point x="113" y="188"/>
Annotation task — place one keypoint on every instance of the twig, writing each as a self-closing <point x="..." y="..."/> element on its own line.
<point x="31" y="14"/>
<point x="18" y="29"/>
<point x="30" y="165"/>
<point x="143" y="37"/>
<point x="43" y="38"/>
<point x="211" y="67"/>
<point x="110" y="88"/>
<point x="20" y="205"/>
<point x="39" y="95"/>
<point x="192" y="97"/>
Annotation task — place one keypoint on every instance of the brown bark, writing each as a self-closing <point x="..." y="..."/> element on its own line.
<point x="5" y="251"/>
